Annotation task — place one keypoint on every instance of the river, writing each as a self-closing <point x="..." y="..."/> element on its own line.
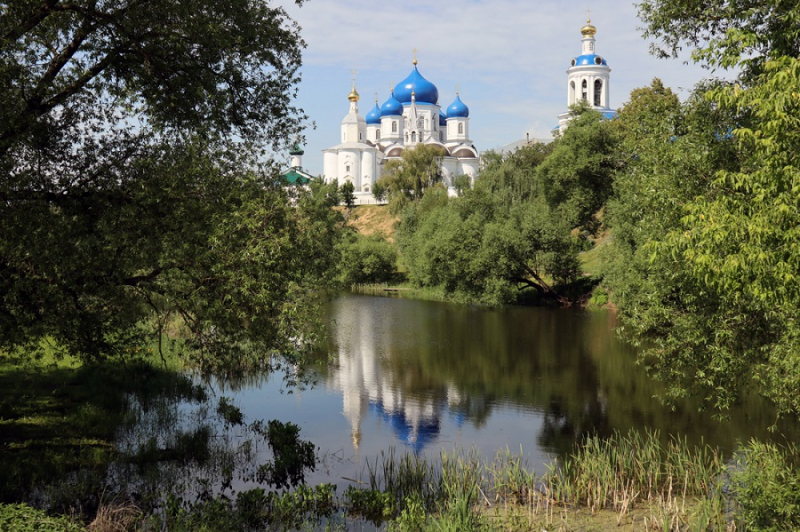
<point x="423" y="377"/>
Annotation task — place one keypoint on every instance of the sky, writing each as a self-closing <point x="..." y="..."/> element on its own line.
<point x="508" y="59"/>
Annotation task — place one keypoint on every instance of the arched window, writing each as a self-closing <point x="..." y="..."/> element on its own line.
<point x="460" y="128"/>
<point x="598" y="92"/>
<point x="394" y="126"/>
<point x="571" y="92"/>
<point x="360" y="136"/>
<point x="413" y="136"/>
<point x="421" y="123"/>
<point x="377" y="134"/>
<point x="584" y="90"/>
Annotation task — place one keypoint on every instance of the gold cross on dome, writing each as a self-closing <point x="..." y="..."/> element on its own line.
<point x="353" y="74"/>
<point x="588" y="15"/>
<point x="415" y="57"/>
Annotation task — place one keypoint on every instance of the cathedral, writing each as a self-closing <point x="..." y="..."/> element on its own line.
<point x="410" y="116"/>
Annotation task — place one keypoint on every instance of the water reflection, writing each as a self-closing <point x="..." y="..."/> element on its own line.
<point x="443" y="375"/>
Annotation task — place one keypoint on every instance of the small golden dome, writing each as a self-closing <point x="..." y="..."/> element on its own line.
<point x="588" y="30"/>
<point x="353" y="96"/>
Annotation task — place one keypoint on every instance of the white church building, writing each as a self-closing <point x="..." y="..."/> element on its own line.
<point x="410" y="116"/>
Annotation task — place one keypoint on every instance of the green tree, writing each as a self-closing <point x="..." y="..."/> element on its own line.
<point x="711" y="285"/>
<point x="379" y="192"/>
<point x="347" y="192"/>
<point x="576" y="177"/>
<point x="133" y="192"/>
<point x="668" y="153"/>
<point x="499" y="237"/>
<point x="724" y="34"/>
<point x="366" y="259"/>
<point x="740" y="242"/>
<point x="407" y="178"/>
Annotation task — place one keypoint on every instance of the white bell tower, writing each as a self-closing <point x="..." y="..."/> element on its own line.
<point x="588" y="78"/>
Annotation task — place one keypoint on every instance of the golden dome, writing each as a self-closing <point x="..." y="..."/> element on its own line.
<point x="353" y="96"/>
<point x="588" y="30"/>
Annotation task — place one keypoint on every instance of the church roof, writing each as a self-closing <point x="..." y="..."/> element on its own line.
<point x="296" y="176"/>
<point x="424" y="91"/>
<point x="374" y="116"/>
<point x="457" y="109"/>
<point x="589" y="60"/>
<point x="392" y="107"/>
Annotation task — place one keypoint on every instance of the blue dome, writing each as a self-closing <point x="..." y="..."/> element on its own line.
<point x="391" y="107"/>
<point x="442" y="119"/>
<point x="424" y="91"/>
<point x="457" y="109"/>
<point x="374" y="116"/>
<point x="589" y="60"/>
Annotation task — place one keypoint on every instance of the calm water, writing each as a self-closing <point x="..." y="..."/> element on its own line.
<point x="424" y="377"/>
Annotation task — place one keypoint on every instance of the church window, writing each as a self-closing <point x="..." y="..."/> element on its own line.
<point x="584" y="90"/>
<point x="413" y="136"/>
<point x="598" y="92"/>
<point x="394" y="126"/>
<point x="460" y="129"/>
<point x="571" y="92"/>
<point x="377" y="134"/>
<point x="420" y="123"/>
<point x="360" y="137"/>
<point x="347" y="168"/>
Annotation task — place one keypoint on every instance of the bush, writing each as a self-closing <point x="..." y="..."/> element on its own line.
<point x="22" y="518"/>
<point x="766" y="488"/>
<point x="366" y="259"/>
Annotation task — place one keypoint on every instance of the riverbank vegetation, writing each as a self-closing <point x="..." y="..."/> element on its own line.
<point x="637" y="481"/>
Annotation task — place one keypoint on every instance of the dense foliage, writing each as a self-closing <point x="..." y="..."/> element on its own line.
<point x="406" y="179"/>
<point x="705" y="215"/>
<point x="366" y="259"/>
<point x="516" y="228"/>
<point x="134" y="192"/>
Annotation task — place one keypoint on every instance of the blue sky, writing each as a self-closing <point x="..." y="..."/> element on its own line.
<point x="507" y="57"/>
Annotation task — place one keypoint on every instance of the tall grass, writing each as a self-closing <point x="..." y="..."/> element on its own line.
<point x="626" y="470"/>
<point x="669" y="486"/>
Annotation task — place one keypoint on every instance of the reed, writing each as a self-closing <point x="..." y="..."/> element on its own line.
<point x="668" y="485"/>
<point x="406" y="477"/>
<point x="637" y="469"/>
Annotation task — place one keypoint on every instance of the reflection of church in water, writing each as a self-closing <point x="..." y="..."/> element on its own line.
<point x="371" y="390"/>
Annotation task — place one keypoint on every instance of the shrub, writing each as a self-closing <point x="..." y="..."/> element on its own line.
<point x="23" y="518"/>
<point x="366" y="259"/>
<point x="766" y="487"/>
